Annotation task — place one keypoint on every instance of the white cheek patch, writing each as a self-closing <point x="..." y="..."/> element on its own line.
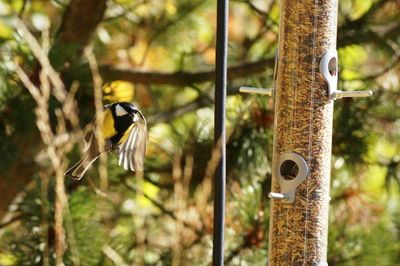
<point x="120" y="111"/>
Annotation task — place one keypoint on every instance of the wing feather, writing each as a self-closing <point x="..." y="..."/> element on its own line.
<point x="140" y="148"/>
<point x="128" y="151"/>
<point x="132" y="151"/>
<point x="133" y="146"/>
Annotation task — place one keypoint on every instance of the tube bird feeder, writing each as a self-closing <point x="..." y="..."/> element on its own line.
<point x="306" y="85"/>
<point x="306" y="75"/>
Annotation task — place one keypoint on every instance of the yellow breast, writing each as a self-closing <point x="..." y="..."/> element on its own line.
<point x="108" y="125"/>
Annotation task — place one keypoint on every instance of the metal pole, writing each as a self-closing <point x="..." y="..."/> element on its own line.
<point x="303" y="132"/>
<point x="219" y="131"/>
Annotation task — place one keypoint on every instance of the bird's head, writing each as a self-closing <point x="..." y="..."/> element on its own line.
<point x="125" y="108"/>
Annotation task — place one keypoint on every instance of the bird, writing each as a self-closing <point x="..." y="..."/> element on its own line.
<point x="124" y="131"/>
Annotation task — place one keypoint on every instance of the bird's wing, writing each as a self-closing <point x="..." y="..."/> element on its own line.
<point x="132" y="150"/>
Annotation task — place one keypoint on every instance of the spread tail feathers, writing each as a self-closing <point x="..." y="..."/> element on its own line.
<point x="91" y="154"/>
<point x="79" y="169"/>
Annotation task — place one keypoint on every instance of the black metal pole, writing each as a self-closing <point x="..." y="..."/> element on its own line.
<point x="219" y="131"/>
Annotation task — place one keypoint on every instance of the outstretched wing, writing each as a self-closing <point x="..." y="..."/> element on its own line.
<point x="132" y="150"/>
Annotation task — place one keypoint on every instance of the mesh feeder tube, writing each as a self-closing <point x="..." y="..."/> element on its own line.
<point x="302" y="133"/>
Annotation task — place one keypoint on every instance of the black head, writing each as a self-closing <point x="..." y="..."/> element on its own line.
<point x="123" y="109"/>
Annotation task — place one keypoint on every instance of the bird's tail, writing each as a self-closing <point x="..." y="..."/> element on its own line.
<point x="79" y="169"/>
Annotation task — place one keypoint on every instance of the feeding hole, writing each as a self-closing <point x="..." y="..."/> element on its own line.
<point x="289" y="169"/>
<point x="332" y="66"/>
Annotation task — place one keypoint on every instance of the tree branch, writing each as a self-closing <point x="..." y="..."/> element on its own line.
<point x="346" y="37"/>
<point x="110" y="73"/>
<point x="179" y="111"/>
<point x="12" y="220"/>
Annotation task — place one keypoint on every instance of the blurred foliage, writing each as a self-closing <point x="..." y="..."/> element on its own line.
<point x="164" y="218"/>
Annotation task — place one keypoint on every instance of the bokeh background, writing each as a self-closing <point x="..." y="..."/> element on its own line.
<point x="160" y="54"/>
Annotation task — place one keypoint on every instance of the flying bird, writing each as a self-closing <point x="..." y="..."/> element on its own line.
<point x="124" y="131"/>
